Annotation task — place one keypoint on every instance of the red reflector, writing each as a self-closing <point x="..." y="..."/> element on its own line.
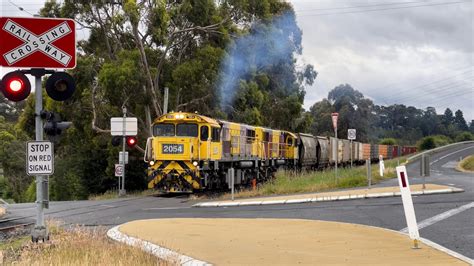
<point x="402" y="177"/>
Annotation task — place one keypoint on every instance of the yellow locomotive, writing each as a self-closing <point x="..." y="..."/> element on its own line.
<point x="191" y="152"/>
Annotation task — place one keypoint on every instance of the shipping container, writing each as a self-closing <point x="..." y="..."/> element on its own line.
<point x="365" y="151"/>
<point x="374" y="152"/>
<point x="383" y="151"/>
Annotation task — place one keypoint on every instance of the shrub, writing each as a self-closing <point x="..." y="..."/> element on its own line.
<point x="426" y="143"/>
<point x="388" y="141"/>
<point x="464" y="136"/>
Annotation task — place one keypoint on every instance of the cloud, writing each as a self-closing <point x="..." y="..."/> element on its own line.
<point x="388" y="55"/>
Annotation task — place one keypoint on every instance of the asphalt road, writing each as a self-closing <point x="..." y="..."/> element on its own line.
<point x="455" y="232"/>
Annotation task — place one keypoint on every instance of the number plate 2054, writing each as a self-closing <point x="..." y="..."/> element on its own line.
<point x="172" y="148"/>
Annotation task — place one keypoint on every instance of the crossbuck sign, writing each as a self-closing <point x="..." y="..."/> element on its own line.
<point x="37" y="42"/>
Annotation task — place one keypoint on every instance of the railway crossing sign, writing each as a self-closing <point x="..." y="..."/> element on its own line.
<point x="118" y="170"/>
<point x="351" y="134"/>
<point x="37" y="42"/>
<point x="39" y="158"/>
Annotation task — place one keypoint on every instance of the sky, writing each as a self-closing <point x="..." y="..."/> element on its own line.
<point x="411" y="52"/>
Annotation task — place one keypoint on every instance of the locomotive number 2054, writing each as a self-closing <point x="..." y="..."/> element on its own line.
<point x="172" y="148"/>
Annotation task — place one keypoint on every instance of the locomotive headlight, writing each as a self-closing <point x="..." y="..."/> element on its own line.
<point x="152" y="163"/>
<point x="179" y="116"/>
<point x="195" y="163"/>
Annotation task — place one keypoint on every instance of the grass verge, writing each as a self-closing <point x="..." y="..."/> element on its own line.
<point x="113" y="194"/>
<point x="73" y="246"/>
<point x="466" y="165"/>
<point x="287" y="182"/>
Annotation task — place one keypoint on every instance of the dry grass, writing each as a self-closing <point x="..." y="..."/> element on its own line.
<point x="287" y="182"/>
<point x="74" y="246"/>
<point x="466" y="165"/>
<point x="113" y="194"/>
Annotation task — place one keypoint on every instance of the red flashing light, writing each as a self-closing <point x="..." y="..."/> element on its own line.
<point x="15" y="86"/>
<point x="131" y="141"/>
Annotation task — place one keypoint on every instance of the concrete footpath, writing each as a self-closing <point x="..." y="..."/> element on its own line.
<point x="376" y="192"/>
<point x="199" y="241"/>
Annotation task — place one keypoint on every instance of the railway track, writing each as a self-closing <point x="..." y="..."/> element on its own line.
<point x="14" y="227"/>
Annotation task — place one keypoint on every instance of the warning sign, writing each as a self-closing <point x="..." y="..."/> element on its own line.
<point x="39" y="158"/>
<point x="118" y="169"/>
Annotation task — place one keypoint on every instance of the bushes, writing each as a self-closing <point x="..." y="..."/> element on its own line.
<point x="426" y="143"/>
<point x="464" y="136"/>
<point x="432" y="142"/>
<point x="388" y="141"/>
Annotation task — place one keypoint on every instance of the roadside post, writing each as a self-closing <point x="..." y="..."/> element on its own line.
<point x="369" y="172"/>
<point x="231" y="175"/>
<point x="124" y="140"/>
<point x="381" y="165"/>
<point x="123" y="127"/>
<point x="408" y="205"/>
<point x="351" y="135"/>
<point x="38" y="45"/>
<point x="334" y="124"/>
<point x="424" y="168"/>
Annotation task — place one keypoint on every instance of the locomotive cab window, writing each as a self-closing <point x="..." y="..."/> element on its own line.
<point x="250" y="135"/>
<point x="216" y="134"/>
<point x="290" y="142"/>
<point x="266" y="136"/>
<point x="164" y="130"/>
<point x="187" y="130"/>
<point x="204" y="133"/>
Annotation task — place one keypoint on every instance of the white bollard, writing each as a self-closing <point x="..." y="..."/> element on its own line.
<point x="408" y="205"/>
<point x="381" y="165"/>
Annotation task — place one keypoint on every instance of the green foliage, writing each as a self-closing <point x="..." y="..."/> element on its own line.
<point x="30" y="193"/>
<point x="388" y="141"/>
<point x="432" y="142"/>
<point x="464" y="136"/>
<point x="427" y="143"/>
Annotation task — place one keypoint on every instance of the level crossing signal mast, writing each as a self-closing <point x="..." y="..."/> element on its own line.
<point x="37" y="46"/>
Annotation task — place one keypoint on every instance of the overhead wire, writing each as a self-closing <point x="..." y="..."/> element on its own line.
<point x="424" y="85"/>
<point x="429" y="91"/>
<point x="382" y="9"/>
<point x="20" y="8"/>
<point x="353" y="7"/>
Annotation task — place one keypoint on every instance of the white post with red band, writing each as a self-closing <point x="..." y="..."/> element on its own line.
<point x="408" y="204"/>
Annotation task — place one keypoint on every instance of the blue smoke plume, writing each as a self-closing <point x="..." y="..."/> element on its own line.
<point x="264" y="46"/>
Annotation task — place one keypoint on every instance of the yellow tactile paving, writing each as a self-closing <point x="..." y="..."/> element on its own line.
<point x="284" y="242"/>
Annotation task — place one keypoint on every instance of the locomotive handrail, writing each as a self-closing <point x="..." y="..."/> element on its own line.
<point x="146" y="149"/>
